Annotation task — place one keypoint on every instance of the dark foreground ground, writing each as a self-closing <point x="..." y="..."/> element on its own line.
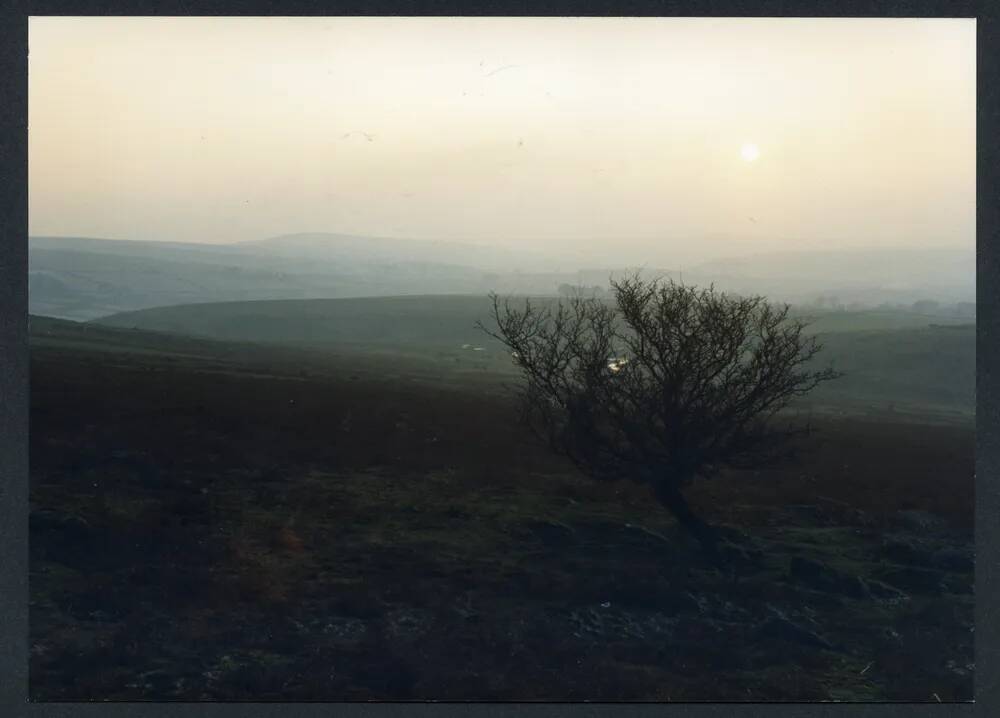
<point x="205" y="532"/>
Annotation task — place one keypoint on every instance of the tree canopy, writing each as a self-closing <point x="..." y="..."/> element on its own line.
<point x="664" y="384"/>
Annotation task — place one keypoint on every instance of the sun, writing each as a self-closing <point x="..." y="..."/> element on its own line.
<point x="749" y="152"/>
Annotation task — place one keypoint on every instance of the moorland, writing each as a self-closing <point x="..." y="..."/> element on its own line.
<point x="333" y="500"/>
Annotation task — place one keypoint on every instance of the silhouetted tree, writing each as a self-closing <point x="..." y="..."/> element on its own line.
<point x="666" y="384"/>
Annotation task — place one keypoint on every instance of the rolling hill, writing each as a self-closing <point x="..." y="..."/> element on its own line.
<point x="80" y="278"/>
<point x="891" y="359"/>
<point x="84" y="278"/>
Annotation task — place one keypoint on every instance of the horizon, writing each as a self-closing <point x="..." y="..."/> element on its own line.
<point x="692" y="262"/>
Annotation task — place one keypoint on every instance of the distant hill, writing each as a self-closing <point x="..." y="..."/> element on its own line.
<point x="864" y="275"/>
<point x="84" y="278"/>
<point x="401" y="320"/>
<point x="390" y="321"/>
<point x="78" y="284"/>
<point x="354" y="248"/>
<point x="890" y="357"/>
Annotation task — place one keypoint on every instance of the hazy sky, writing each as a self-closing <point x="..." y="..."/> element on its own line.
<point x="596" y="133"/>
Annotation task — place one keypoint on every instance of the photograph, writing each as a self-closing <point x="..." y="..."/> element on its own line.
<point x="502" y="359"/>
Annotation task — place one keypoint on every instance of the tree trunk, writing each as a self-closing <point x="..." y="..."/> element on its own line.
<point x="671" y="497"/>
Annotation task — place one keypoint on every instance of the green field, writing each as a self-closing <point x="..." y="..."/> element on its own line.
<point x="898" y="361"/>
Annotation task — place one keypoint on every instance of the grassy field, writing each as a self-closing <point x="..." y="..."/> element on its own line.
<point x="413" y="319"/>
<point x="894" y="361"/>
<point x="231" y="521"/>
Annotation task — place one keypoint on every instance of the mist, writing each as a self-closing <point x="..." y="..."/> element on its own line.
<point x="615" y="140"/>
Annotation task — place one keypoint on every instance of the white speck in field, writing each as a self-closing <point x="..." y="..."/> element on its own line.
<point x="616" y="364"/>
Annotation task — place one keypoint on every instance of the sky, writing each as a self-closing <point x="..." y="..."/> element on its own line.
<point x="654" y="138"/>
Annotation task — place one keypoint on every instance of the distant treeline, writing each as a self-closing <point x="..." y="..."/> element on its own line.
<point x="929" y="307"/>
<point x="828" y="302"/>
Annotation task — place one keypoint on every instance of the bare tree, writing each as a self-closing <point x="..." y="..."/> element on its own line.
<point x="667" y="384"/>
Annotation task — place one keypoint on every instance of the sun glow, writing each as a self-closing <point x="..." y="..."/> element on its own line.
<point x="749" y="152"/>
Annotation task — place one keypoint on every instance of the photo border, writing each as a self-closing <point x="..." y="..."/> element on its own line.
<point x="14" y="364"/>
